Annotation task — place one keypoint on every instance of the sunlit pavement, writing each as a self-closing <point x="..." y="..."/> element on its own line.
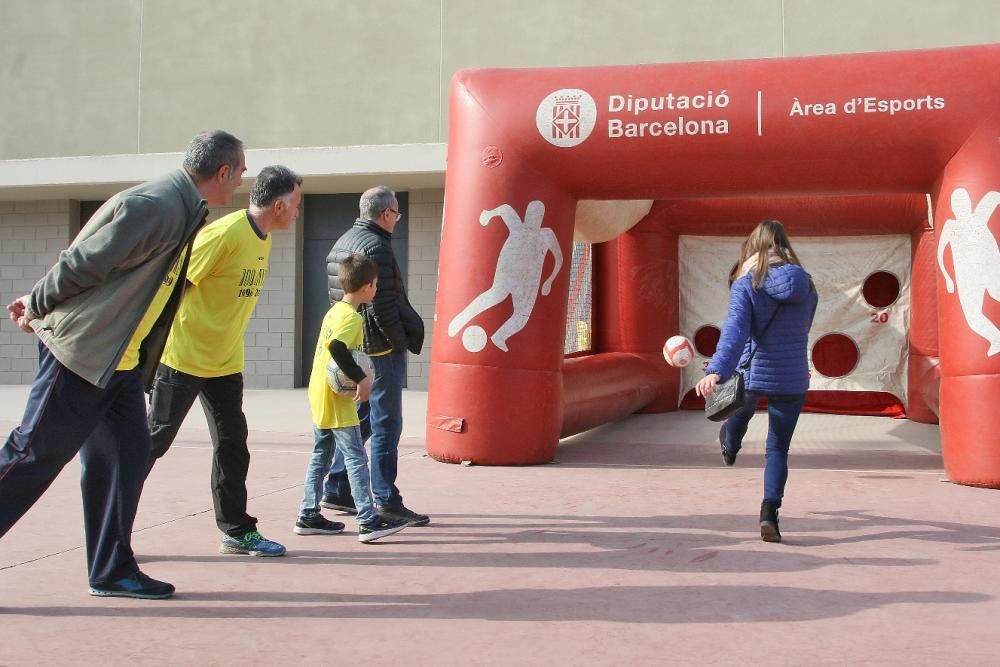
<point x="636" y="546"/>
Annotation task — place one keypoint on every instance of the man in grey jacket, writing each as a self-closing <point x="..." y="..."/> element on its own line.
<point x="101" y="314"/>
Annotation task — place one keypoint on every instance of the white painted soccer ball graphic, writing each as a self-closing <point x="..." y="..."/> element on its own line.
<point x="474" y="338"/>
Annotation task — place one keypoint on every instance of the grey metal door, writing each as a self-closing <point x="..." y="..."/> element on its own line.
<point x="326" y="219"/>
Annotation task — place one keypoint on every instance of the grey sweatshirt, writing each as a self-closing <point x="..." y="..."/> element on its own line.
<point x="91" y="301"/>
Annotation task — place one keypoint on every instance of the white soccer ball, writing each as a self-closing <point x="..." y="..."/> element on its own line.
<point x="340" y="383"/>
<point x="678" y="351"/>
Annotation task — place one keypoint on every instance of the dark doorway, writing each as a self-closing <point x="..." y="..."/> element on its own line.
<point x="326" y="219"/>
<point x="87" y="209"/>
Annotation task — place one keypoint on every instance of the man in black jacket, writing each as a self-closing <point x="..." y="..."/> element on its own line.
<point x="391" y="327"/>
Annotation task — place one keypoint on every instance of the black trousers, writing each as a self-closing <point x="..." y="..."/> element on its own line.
<point x="64" y="415"/>
<point x="222" y="400"/>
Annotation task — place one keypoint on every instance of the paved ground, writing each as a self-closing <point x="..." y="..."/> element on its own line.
<point x="637" y="546"/>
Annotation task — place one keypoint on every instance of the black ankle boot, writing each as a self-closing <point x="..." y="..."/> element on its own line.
<point x="728" y="455"/>
<point x="769" y="521"/>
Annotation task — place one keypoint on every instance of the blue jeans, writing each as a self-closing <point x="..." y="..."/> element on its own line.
<point x="382" y="419"/>
<point x="64" y="415"/>
<point x="351" y="449"/>
<point x="783" y="412"/>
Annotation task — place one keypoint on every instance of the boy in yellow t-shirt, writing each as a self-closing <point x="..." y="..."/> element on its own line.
<point x="335" y="417"/>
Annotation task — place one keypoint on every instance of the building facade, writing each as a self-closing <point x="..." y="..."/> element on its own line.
<point x="98" y="95"/>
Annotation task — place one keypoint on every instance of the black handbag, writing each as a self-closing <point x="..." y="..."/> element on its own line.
<point x="727" y="399"/>
<point x="729" y="396"/>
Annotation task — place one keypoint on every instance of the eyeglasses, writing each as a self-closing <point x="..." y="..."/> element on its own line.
<point x="398" y="214"/>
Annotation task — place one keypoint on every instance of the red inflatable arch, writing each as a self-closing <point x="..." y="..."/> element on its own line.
<point x="839" y="145"/>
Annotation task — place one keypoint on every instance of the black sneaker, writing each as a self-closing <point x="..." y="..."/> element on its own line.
<point x="317" y="525"/>
<point x="728" y="456"/>
<point x="136" y="585"/>
<point x="343" y="504"/>
<point x="400" y="513"/>
<point x="379" y="529"/>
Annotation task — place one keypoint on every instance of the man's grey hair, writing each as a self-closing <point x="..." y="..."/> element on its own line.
<point x="376" y="200"/>
<point x="209" y="151"/>
<point x="273" y="183"/>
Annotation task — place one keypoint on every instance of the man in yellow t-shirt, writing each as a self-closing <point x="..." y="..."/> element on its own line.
<point x="204" y="353"/>
<point x="335" y="418"/>
<point x="131" y="357"/>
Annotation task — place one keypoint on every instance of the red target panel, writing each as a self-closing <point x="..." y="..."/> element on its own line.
<point x="706" y="339"/>
<point x="880" y="289"/>
<point x="835" y="355"/>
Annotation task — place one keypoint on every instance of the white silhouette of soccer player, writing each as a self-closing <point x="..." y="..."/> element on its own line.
<point x="518" y="272"/>
<point x="976" y="257"/>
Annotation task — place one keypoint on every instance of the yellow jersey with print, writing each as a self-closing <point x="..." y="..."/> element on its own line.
<point x="330" y="410"/>
<point x="226" y="271"/>
<point x="131" y="358"/>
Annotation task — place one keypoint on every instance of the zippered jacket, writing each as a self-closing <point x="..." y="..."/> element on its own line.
<point x="781" y="365"/>
<point x="390" y="322"/>
<point x="90" y="302"/>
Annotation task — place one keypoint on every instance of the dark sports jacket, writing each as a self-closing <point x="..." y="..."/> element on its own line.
<point x="390" y="322"/>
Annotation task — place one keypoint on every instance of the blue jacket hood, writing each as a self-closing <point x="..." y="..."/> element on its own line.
<point x="787" y="283"/>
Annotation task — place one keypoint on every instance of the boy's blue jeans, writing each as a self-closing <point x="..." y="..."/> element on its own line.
<point x="382" y="419"/>
<point x="347" y="441"/>
<point x="783" y="412"/>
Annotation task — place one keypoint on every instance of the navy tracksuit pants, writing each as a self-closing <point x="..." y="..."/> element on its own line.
<point x="64" y="415"/>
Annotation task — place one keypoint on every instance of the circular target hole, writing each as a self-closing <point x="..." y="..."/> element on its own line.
<point x="880" y="289"/>
<point x="706" y="339"/>
<point x="835" y="355"/>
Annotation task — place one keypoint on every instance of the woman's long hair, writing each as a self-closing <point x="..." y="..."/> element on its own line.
<point x="768" y="237"/>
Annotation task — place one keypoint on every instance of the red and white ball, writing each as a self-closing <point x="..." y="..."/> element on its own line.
<point x="678" y="351"/>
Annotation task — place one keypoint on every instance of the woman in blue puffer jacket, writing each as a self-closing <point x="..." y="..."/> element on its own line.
<point x="768" y="282"/>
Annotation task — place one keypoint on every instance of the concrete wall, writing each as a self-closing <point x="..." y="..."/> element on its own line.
<point x="107" y="77"/>
<point x="31" y="236"/>
<point x="139" y="76"/>
<point x="33" y="233"/>
<point x="425" y="215"/>
<point x="69" y="72"/>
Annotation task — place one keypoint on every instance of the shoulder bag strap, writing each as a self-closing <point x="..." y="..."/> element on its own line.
<point x="746" y="364"/>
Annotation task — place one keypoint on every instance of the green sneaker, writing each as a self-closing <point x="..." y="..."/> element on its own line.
<point x="252" y="544"/>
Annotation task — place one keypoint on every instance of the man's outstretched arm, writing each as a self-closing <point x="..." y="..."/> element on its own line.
<point x="505" y="212"/>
